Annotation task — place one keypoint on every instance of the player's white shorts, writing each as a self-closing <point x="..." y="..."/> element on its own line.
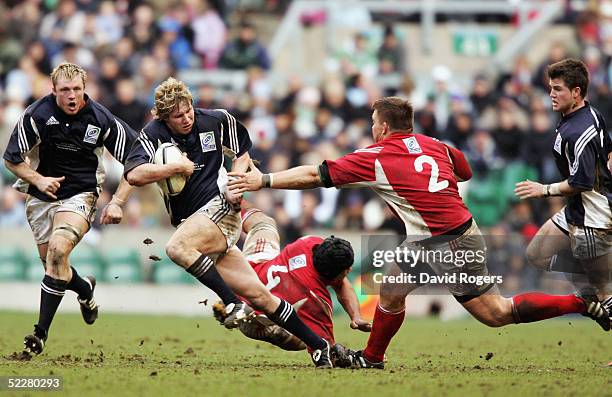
<point x="40" y="213"/>
<point x="226" y="216"/>
<point x="586" y="242"/>
<point x="474" y="266"/>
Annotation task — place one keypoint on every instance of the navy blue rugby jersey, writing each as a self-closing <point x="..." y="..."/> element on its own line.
<point x="581" y="152"/>
<point x="59" y="145"/>
<point x="214" y="133"/>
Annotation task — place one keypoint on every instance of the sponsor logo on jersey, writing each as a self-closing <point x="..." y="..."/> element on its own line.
<point x="558" y="144"/>
<point x="413" y="145"/>
<point x="207" y="140"/>
<point x="297" y="262"/>
<point x="91" y="134"/>
<point x="52" y="121"/>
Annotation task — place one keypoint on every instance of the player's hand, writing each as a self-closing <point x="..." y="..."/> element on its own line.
<point x="361" y="325"/>
<point x="187" y="166"/>
<point x="245" y="181"/>
<point x="529" y="189"/>
<point x="610" y="161"/>
<point x="111" y="214"/>
<point x="49" y="185"/>
<point x="231" y="196"/>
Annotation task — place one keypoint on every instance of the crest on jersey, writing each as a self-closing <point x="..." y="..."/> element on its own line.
<point x="207" y="141"/>
<point x="91" y="134"/>
<point x="297" y="262"/>
<point x="558" y="144"/>
<point x="413" y="145"/>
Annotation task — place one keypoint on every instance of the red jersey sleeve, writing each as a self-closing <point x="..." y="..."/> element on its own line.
<point x="462" y="167"/>
<point x="354" y="168"/>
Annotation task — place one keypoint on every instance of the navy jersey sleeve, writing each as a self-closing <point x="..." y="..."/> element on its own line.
<point x="142" y="151"/>
<point x="235" y="135"/>
<point x="583" y="152"/>
<point x="24" y="138"/>
<point x="119" y="138"/>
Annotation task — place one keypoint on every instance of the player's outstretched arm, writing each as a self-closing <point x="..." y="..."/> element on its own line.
<point x="113" y="211"/>
<point x="146" y="173"/>
<point x="530" y="189"/>
<point x="297" y="178"/>
<point x="46" y="184"/>
<point x="348" y="299"/>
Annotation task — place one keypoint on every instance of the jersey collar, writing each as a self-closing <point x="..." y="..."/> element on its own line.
<point x="579" y="110"/>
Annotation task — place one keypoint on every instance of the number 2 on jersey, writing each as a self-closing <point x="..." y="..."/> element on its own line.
<point x="434" y="184"/>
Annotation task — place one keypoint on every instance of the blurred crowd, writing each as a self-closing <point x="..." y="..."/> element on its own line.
<point x="503" y="122"/>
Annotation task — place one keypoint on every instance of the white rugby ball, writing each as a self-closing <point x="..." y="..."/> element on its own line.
<point x="169" y="153"/>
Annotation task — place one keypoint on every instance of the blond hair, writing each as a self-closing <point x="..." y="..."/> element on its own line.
<point x="168" y="95"/>
<point x="68" y="71"/>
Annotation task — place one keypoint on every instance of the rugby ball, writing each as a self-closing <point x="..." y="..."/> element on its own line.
<point x="169" y="153"/>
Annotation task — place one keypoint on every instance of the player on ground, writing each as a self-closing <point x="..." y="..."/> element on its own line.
<point x="299" y="274"/>
<point x="417" y="177"/>
<point x="206" y="216"/>
<point x="578" y="238"/>
<point x="56" y="152"/>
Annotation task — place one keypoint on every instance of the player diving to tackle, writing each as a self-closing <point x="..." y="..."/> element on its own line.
<point x="300" y="274"/>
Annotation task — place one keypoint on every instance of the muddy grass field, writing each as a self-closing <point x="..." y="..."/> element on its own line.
<point x="150" y="356"/>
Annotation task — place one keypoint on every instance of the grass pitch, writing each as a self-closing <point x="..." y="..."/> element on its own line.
<point x="150" y="356"/>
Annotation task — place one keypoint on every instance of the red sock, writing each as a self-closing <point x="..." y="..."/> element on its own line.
<point x="384" y="327"/>
<point x="535" y="306"/>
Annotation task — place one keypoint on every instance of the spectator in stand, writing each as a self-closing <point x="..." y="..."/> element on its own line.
<point x="64" y="24"/>
<point x="245" y="51"/>
<point x="142" y="30"/>
<point x="482" y="96"/>
<point x="508" y="136"/>
<point x="127" y="107"/>
<point x="556" y="53"/>
<point x="536" y="149"/>
<point x="209" y="35"/>
<point x="391" y="54"/>
<point x="173" y="38"/>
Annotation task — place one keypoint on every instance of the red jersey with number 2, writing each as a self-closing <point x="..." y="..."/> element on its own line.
<point x="292" y="276"/>
<point x="414" y="174"/>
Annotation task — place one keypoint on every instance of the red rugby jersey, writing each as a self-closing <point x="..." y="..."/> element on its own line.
<point x="414" y="174"/>
<point x="291" y="276"/>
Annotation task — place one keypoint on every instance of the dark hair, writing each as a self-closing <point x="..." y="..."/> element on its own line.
<point x="573" y="72"/>
<point x="396" y="112"/>
<point x="333" y="256"/>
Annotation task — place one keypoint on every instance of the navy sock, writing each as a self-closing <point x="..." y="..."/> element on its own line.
<point x="287" y="318"/>
<point x="79" y="285"/>
<point x="205" y="271"/>
<point x="51" y="293"/>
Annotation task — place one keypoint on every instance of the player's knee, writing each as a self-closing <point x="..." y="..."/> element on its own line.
<point x="393" y="303"/>
<point x="534" y="256"/>
<point x="57" y="254"/>
<point x="63" y="239"/>
<point x="498" y="315"/>
<point x="260" y="298"/>
<point x="175" y="251"/>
